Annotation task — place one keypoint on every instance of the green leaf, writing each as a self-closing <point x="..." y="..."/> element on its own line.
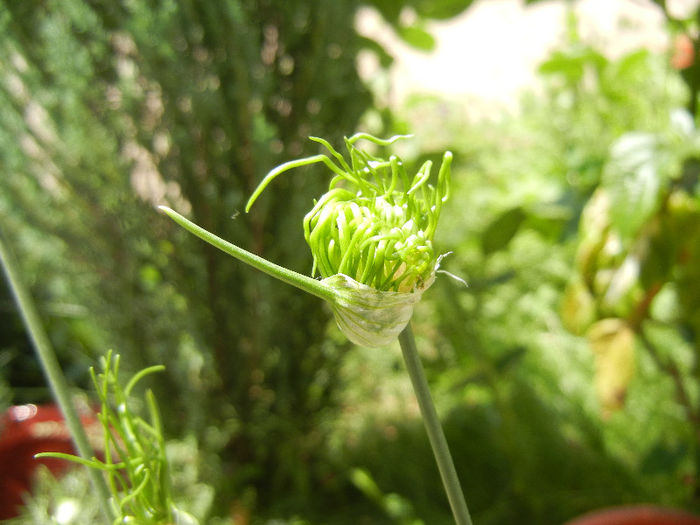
<point x="612" y="342"/>
<point x="417" y="37"/>
<point x="549" y="220"/>
<point x="633" y="179"/>
<point x="578" y="307"/>
<point x="501" y="230"/>
<point x="389" y="9"/>
<point x="385" y="59"/>
<point x="573" y="64"/>
<point x="631" y="63"/>
<point x="441" y="9"/>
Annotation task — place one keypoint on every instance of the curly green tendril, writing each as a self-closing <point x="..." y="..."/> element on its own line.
<point x="375" y="224"/>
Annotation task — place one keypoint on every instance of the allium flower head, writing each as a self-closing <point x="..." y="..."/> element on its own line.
<point x="371" y="237"/>
<point x="375" y="224"/>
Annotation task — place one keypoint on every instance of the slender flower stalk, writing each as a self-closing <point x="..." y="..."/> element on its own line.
<point x="436" y="436"/>
<point x="371" y="238"/>
<point x="53" y="373"/>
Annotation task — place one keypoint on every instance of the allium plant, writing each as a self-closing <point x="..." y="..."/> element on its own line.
<point x="374" y="224"/>
<point x="371" y="237"/>
<point x="135" y="487"/>
<point x="134" y="462"/>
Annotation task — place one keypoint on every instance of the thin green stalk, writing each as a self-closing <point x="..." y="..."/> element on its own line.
<point x="302" y="282"/>
<point x="434" y="429"/>
<point x="52" y="371"/>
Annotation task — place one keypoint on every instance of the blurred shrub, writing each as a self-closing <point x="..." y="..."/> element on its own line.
<point x="109" y="109"/>
<point x="534" y="439"/>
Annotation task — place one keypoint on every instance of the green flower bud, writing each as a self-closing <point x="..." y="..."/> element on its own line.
<point x="375" y="224"/>
<point x="371" y="236"/>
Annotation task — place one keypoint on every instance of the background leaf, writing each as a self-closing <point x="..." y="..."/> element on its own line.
<point x="501" y="230"/>
<point x="634" y="180"/>
<point x="612" y="342"/>
<point x="417" y="37"/>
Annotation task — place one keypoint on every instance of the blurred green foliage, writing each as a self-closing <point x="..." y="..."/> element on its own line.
<point x="567" y="369"/>
<point x="520" y="342"/>
<point x="109" y="109"/>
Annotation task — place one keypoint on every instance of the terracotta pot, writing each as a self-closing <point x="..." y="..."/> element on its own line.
<point x="26" y="430"/>
<point x="636" y="515"/>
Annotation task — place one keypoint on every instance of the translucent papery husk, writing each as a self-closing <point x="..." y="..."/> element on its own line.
<point x="370" y="317"/>
<point x="183" y="518"/>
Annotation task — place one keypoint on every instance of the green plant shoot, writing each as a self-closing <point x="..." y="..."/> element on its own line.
<point x="371" y="237"/>
<point x="134" y="461"/>
<point x="375" y="224"/>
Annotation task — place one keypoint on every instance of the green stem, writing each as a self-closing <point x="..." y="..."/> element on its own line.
<point x="434" y="429"/>
<point x="302" y="282"/>
<point x="52" y="371"/>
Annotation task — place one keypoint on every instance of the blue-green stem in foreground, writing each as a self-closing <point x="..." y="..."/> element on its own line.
<point x="52" y="371"/>
<point x="433" y="427"/>
<point x="371" y="238"/>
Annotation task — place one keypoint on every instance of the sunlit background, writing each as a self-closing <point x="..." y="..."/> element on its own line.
<point x="566" y="373"/>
